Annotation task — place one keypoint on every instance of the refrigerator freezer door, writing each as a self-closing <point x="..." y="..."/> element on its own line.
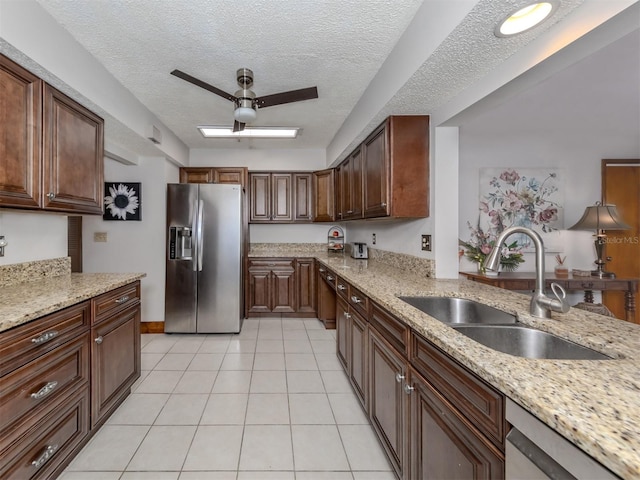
<point x="220" y="278"/>
<point x="181" y="275"/>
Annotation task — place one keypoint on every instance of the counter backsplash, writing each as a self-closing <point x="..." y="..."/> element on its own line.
<point x="36" y="270"/>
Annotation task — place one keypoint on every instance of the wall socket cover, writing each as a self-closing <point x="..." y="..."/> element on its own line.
<point x="426" y="243"/>
<point x="99" y="236"/>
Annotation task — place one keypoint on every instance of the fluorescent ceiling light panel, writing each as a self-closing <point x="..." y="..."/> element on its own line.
<point x="249" y="132"/>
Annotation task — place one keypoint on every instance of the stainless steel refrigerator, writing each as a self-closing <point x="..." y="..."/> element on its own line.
<point x="205" y="249"/>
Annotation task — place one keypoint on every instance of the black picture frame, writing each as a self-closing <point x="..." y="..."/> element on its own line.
<point x="122" y="201"/>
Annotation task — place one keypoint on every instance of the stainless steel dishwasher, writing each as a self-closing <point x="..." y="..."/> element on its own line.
<point x="534" y="452"/>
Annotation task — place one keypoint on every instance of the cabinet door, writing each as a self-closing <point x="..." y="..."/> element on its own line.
<point x="355" y="185"/>
<point x="115" y="361"/>
<point x="343" y="325"/>
<point x="284" y="290"/>
<point x="342" y="191"/>
<point x="20" y="136"/>
<point x="305" y="285"/>
<point x="260" y="193"/>
<point x="324" y="196"/>
<point x="302" y="197"/>
<point x="281" y="197"/>
<point x="443" y="445"/>
<point x="73" y="161"/>
<point x="376" y="174"/>
<point x="358" y="357"/>
<point x="387" y="403"/>
<point x="197" y="175"/>
<point x="259" y="291"/>
<point x="235" y="175"/>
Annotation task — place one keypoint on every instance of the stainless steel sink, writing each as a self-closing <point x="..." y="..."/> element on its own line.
<point x="526" y="342"/>
<point x="459" y="310"/>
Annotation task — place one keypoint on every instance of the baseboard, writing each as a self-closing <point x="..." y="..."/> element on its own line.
<point x="151" y="327"/>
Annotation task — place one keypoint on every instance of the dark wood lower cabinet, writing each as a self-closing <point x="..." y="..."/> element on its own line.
<point x="387" y="404"/>
<point x="342" y="332"/>
<point x="444" y="445"/>
<point x="305" y="280"/>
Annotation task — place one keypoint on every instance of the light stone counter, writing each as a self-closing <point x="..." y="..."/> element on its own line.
<point x="594" y="404"/>
<point x="23" y="302"/>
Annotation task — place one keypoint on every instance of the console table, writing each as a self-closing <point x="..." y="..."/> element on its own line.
<point x="527" y="281"/>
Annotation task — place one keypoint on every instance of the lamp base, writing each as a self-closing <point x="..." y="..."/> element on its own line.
<point x="602" y="274"/>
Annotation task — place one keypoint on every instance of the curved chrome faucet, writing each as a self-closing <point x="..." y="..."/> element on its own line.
<point x="541" y="305"/>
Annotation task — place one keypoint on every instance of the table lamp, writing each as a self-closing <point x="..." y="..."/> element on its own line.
<point x="600" y="218"/>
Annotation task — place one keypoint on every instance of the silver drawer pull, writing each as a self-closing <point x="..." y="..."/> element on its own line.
<point x="399" y="378"/>
<point x="383" y="204"/>
<point x="44" y="391"/>
<point x="322" y="270"/>
<point x="341" y="287"/>
<point x="408" y="389"/>
<point x="122" y="299"/>
<point x="330" y="278"/>
<point x="347" y="315"/>
<point x="51" y="195"/>
<point x="355" y="299"/>
<point x="98" y="340"/>
<point x="46" y="455"/>
<point x="45" y="337"/>
<point x="349" y="212"/>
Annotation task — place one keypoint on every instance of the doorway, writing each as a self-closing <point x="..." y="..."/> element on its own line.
<point x="621" y="187"/>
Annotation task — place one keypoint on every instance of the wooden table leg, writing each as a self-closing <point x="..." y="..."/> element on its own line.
<point x="630" y="306"/>
<point x="588" y="296"/>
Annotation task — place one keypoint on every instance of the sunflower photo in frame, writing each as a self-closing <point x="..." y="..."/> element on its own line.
<point x="122" y="201"/>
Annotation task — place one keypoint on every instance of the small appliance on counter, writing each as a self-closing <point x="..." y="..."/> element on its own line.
<point x="359" y="250"/>
<point x="335" y="240"/>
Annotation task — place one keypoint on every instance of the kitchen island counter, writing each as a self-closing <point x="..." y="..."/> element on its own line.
<point x="593" y="403"/>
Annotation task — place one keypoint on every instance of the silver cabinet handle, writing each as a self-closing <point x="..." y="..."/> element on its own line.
<point x="383" y="204"/>
<point x="349" y="211"/>
<point x="330" y="278"/>
<point x="341" y="287"/>
<point x="347" y="315"/>
<point x="45" y="456"/>
<point x="44" y="391"/>
<point x="122" y="299"/>
<point x="271" y="264"/>
<point x="45" y="337"/>
<point x="355" y="299"/>
<point x="322" y="270"/>
<point x="408" y="389"/>
<point x="99" y="340"/>
<point x="399" y="378"/>
<point x="51" y="195"/>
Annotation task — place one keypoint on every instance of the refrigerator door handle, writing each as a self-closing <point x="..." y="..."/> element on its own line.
<point x="194" y="237"/>
<point x="200" y="237"/>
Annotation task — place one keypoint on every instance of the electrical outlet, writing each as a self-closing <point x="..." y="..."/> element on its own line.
<point x="99" y="236"/>
<point x="373" y="238"/>
<point x="426" y="243"/>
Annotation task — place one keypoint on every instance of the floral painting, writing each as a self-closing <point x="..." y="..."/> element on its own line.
<point x="526" y="197"/>
<point x="122" y="201"/>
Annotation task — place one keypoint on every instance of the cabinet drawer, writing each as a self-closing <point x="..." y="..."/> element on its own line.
<point x="34" y="387"/>
<point x="342" y="287"/>
<point x="359" y="301"/>
<point x="22" y="344"/>
<point x="476" y="400"/>
<point x="45" y="448"/>
<point x="115" y="300"/>
<point x="272" y="264"/>
<point x="393" y="330"/>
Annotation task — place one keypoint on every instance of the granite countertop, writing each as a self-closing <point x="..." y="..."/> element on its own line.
<point x="26" y="301"/>
<point x="594" y="404"/>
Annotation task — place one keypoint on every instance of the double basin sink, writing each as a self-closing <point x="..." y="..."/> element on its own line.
<point x="500" y="330"/>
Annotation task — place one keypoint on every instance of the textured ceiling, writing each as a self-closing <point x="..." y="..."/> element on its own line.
<point x="338" y="45"/>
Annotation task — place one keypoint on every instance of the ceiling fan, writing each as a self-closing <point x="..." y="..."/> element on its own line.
<point x="246" y="102"/>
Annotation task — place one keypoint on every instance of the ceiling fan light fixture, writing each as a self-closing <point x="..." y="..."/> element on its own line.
<point x="244" y="114"/>
<point x="249" y="132"/>
<point x="526" y="18"/>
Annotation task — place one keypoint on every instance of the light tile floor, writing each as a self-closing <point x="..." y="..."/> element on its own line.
<point x="271" y="403"/>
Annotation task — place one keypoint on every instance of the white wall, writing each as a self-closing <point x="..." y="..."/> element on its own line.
<point x="32" y="236"/>
<point x="135" y="246"/>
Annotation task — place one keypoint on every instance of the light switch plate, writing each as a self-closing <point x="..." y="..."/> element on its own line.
<point x="99" y="236"/>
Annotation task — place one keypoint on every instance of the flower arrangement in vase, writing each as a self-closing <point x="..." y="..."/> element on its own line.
<point x="477" y="249"/>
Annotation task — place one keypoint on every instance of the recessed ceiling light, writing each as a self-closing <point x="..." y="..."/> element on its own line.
<point x="526" y="18"/>
<point x="249" y="132"/>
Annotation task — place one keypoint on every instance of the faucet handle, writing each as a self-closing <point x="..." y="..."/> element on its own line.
<point x="560" y="304"/>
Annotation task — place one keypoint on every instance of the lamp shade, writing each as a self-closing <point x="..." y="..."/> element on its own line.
<point x="600" y="217"/>
<point x="244" y="114"/>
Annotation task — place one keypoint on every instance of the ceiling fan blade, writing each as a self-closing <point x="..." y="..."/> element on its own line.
<point x="286" y="97"/>
<point x="238" y="126"/>
<point x="201" y="84"/>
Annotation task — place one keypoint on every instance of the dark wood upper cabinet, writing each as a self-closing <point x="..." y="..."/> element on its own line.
<point x="303" y="195"/>
<point x="73" y="166"/>
<point x="396" y="168"/>
<point x="349" y="204"/>
<point x="234" y="175"/>
<point x="281" y="197"/>
<point x="324" y="209"/>
<point x="20" y="135"/>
